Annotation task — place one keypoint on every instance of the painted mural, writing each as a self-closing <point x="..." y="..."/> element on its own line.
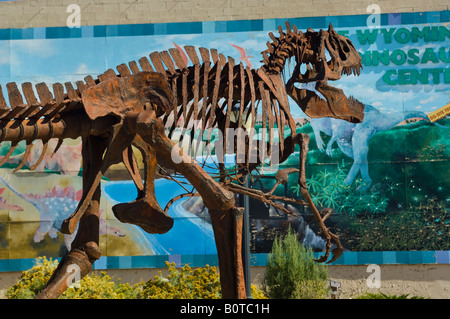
<point x="387" y="179"/>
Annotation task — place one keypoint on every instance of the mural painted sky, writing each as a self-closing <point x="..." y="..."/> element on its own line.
<point x="373" y="172"/>
<point x="405" y="67"/>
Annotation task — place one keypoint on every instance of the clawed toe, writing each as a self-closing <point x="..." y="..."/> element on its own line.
<point x="337" y="252"/>
<point x="322" y="259"/>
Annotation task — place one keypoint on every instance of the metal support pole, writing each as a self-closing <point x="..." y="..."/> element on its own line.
<point x="246" y="243"/>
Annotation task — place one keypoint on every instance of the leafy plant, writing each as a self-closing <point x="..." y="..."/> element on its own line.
<point x="291" y="271"/>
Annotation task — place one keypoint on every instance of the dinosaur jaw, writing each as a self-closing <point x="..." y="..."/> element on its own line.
<point x="335" y="105"/>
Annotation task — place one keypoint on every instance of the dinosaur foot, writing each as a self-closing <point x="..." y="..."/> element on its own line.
<point x="336" y="252"/>
<point x="142" y="213"/>
<point x="73" y="267"/>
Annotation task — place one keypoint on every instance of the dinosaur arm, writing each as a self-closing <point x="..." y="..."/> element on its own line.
<point x="330" y="145"/>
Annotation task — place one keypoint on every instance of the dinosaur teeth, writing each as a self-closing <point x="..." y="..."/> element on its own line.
<point x="354" y="69"/>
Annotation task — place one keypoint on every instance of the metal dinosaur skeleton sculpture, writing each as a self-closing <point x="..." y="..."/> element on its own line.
<point x="116" y="112"/>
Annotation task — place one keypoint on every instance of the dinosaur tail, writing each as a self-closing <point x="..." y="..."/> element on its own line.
<point x="424" y="117"/>
<point x="5" y="179"/>
<point x="441" y="126"/>
<point x="29" y="118"/>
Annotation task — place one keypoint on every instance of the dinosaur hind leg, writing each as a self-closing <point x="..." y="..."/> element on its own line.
<point x="319" y="216"/>
<point x="85" y="247"/>
<point x="225" y="217"/>
<point x="145" y="211"/>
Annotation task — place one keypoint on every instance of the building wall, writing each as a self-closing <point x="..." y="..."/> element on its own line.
<point x="49" y="13"/>
<point x="32" y="21"/>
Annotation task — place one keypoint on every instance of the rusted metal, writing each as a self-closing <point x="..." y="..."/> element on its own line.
<point x="134" y="108"/>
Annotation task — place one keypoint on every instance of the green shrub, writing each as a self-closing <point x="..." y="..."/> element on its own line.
<point x="291" y="271"/>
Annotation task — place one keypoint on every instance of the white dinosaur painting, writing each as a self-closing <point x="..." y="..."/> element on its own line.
<point x="353" y="139"/>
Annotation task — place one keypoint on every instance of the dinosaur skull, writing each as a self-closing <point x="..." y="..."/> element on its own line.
<point x="327" y="55"/>
<point x="342" y="57"/>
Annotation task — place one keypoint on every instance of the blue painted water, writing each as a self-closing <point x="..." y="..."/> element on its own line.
<point x="190" y="234"/>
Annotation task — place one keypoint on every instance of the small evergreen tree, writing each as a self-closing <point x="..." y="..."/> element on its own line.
<point x="292" y="273"/>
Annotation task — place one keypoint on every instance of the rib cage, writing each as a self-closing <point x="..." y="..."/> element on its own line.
<point x="206" y="92"/>
<point x="215" y="79"/>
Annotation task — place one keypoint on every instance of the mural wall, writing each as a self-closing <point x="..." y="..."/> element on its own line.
<point x="386" y="179"/>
